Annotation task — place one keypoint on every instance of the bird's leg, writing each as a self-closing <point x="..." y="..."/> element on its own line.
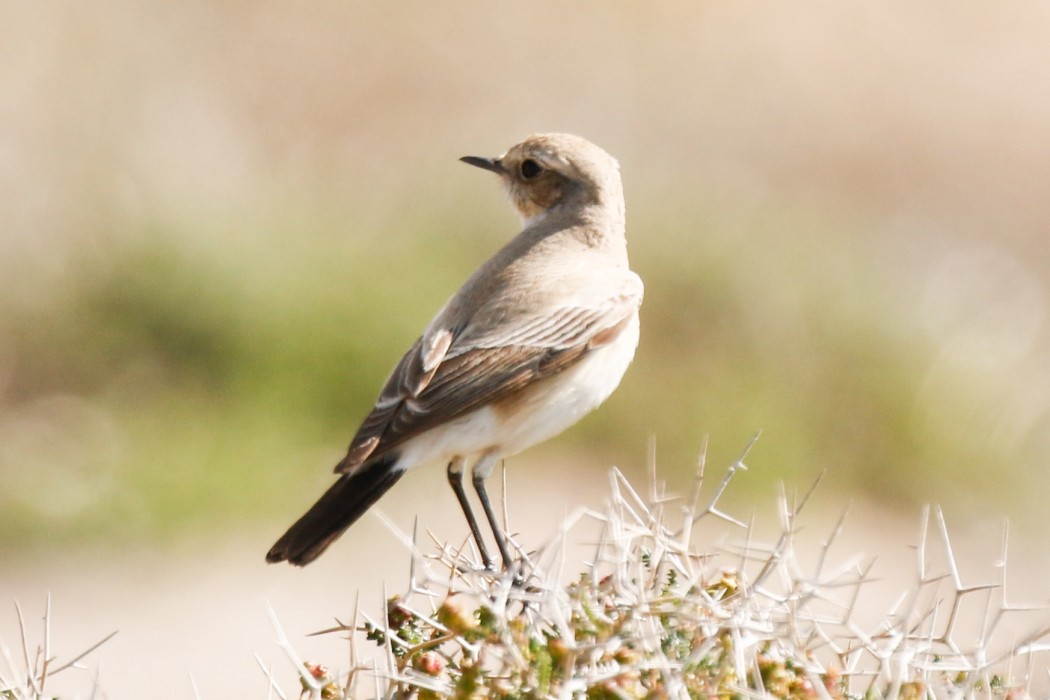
<point x="455" y="480"/>
<point x="481" y="471"/>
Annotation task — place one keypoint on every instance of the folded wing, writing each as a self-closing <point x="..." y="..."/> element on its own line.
<point x="446" y="375"/>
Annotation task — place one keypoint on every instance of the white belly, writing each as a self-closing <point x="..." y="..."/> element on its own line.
<point x="545" y="409"/>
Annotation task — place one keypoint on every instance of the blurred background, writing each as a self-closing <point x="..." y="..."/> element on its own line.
<point x="222" y="223"/>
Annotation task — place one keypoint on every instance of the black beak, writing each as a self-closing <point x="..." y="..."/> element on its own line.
<point x="492" y="164"/>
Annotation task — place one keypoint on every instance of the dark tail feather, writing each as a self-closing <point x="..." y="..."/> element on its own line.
<point x="337" y="509"/>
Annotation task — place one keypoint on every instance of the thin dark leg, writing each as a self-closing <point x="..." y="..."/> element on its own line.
<point x="455" y="480"/>
<point x="481" y="471"/>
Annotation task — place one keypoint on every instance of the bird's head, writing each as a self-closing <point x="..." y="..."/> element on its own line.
<point x="547" y="170"/>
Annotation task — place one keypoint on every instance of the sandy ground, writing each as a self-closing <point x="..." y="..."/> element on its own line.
<point x="197" y="614"/>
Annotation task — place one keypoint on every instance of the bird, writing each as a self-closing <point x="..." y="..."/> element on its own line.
<point x="536" y="338"/>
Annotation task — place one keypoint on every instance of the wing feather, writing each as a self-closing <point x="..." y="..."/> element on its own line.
<point x="477" y="368"/>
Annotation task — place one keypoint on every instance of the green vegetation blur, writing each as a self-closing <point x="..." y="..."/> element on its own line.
<point x="221" y="225"/>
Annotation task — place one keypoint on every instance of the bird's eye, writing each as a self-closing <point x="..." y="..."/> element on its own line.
<point x="530" y="168"/>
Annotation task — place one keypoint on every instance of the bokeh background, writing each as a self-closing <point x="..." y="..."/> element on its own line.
<point x="221" y="223"/>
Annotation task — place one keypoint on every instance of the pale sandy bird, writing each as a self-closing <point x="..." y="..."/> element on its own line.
<point x="535" y="339"/>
